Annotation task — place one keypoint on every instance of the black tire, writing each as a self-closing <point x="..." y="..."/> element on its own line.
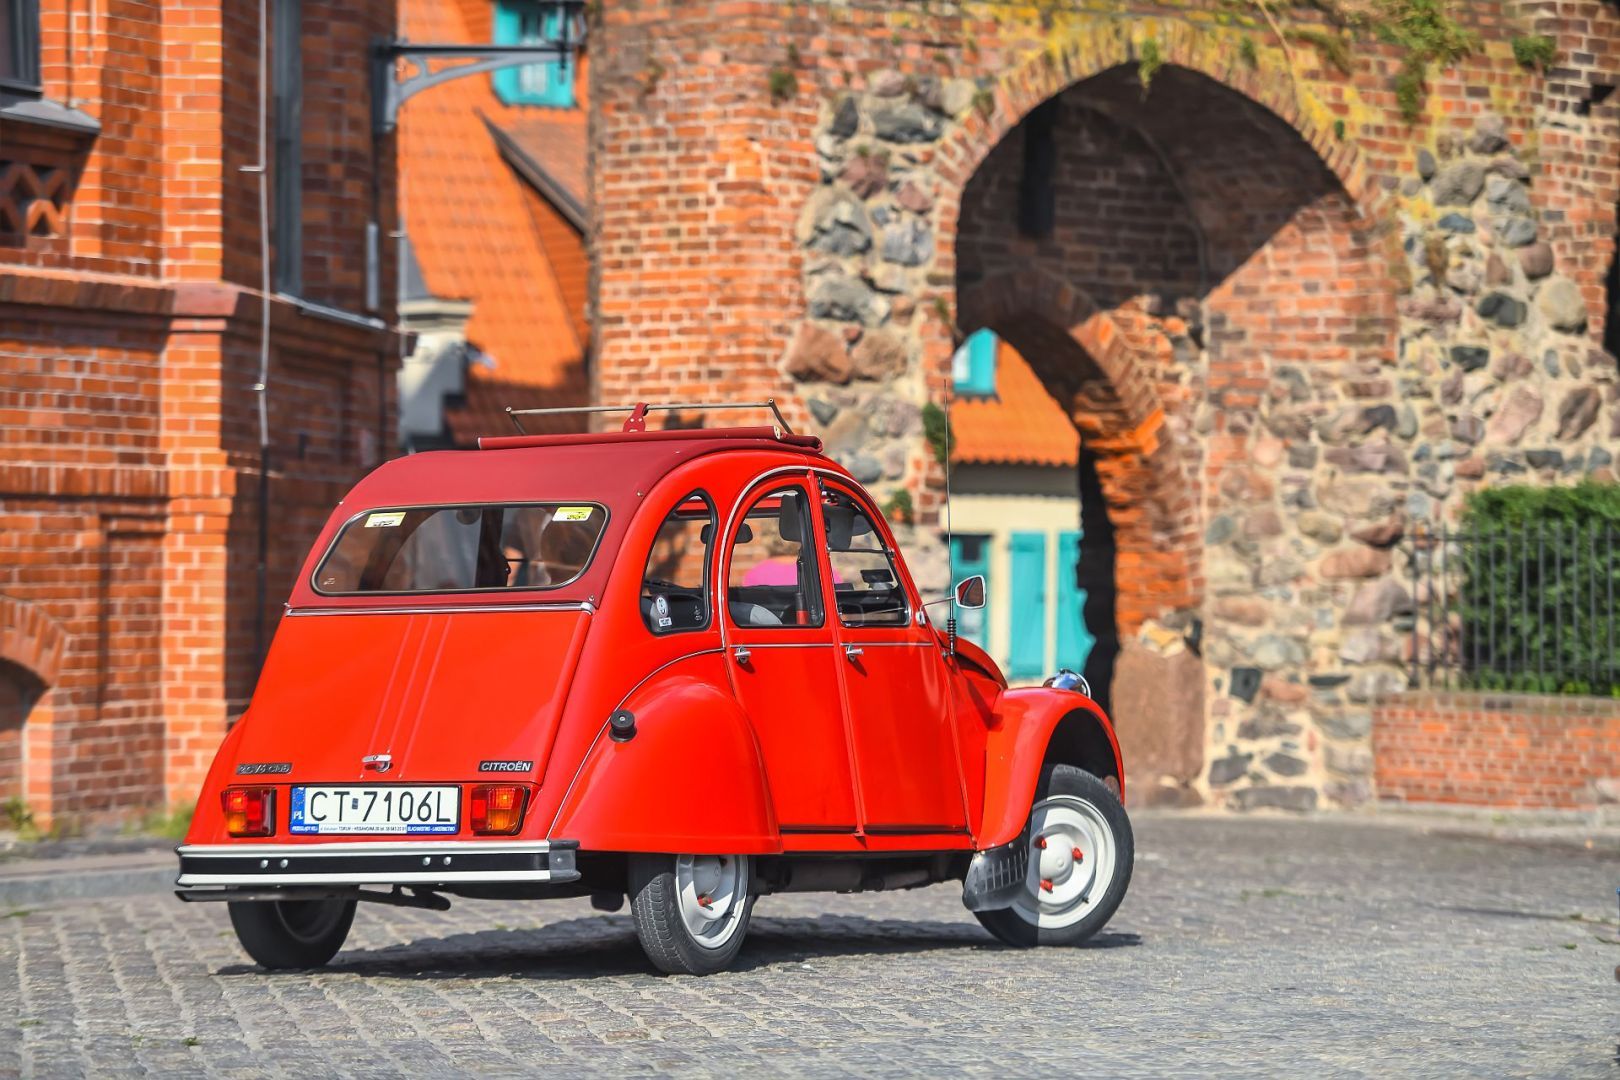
<point x="1013" y="927"/>
<point x="665" y="938"/>
<point x="281" y="934"/>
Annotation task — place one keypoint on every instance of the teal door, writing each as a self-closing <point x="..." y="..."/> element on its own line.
<point x="1074" y="641"/>
<point x="971" y="555"/>
<point x="1026" y="646"/>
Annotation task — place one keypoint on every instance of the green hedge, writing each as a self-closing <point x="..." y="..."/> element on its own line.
<point x="1539" y="568"/>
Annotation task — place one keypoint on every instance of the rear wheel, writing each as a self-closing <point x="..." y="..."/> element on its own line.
<point x="291" y="933"/>
<point x="1081" y="853"/>
<point x="691" y="911"/>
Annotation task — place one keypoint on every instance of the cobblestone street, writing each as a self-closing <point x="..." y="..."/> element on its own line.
<point x="1245" y="946"/>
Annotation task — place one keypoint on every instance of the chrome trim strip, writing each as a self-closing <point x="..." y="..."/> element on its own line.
<point x="431" y="878"/>
<point x="584" y="605"/>
<point x="789" y="644"/>
<point x="376" y="847"/>
<point x="861" y="643"/>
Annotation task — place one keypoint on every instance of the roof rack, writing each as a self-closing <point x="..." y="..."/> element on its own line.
<point x="637" y="420"/>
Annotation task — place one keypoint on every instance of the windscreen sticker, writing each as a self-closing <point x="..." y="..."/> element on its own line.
<point x="574" y="513"/>
<point x="385" y="521"/>
<point x="661" y="610"/>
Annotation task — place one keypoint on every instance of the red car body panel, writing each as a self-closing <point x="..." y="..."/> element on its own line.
<point x="691" y="780"/>
<point x="438" y="692"/>
<point x="829" y="739"/>
<point x="1015" y="750"/>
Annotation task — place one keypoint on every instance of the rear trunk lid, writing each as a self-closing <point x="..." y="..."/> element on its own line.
<point x="433" y="694"/>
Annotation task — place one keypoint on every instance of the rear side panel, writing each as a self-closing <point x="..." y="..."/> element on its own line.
<point x="689" y="781"/>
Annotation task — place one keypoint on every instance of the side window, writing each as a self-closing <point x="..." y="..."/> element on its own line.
<point x="772" y="580"/>
<point x="866" y="583"/>
<point x="675" y="585"/>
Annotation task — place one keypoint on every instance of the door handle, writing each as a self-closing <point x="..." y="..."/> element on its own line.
<point x="742" y="653"/>
<point x="852" y="651"/>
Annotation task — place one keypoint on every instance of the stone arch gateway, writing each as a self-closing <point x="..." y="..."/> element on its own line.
<point x="1195" y="246"/>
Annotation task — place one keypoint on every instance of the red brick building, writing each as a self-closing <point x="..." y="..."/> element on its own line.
<point x="133" y="159"/>
<point x="1294" y="298"/>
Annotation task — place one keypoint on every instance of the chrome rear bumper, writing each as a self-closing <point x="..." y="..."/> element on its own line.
<point x="378" y="863"/>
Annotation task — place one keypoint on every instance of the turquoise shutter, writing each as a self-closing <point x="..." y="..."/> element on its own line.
<point x="973" y="369"/>
<point x="971" y="555"/>
<point x="550" y="83"/>
<point x="1074" y="639"/>
<point x="1026" y="651"/>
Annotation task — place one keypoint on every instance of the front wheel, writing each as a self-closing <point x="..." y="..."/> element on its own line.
<point x="291" y="933"/>
<point x="1081" y="853"/>
<point x="691" y="911"/>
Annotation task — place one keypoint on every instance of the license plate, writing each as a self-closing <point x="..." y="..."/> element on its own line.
<point x="375" y="809"/>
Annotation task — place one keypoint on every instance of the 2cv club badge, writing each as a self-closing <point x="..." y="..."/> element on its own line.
<point x="687" y="667"/>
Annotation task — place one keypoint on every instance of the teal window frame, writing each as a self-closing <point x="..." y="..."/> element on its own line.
<point x="974" y="368"/>
<point x="970" y="554"/>
<point x="525" y="22"/>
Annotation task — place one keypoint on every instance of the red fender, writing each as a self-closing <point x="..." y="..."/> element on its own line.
<point x="1015" y="750"/>
<point x="690" y="781"/>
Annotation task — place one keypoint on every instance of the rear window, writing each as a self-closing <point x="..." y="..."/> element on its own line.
<point x="436" y="549"/>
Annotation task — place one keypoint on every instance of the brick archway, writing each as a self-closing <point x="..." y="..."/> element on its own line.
<point x="1217" y="53"/>
<point x="1164" y="261"/>
<point x="32" y="649"/>
<point x="1102" y="359"/>
<point x="1104" y="382"/>
<point x="32" y="639"/>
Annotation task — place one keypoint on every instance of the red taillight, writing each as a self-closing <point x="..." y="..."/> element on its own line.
<point x="249" y="811"/>
<point x="497" y="809"/>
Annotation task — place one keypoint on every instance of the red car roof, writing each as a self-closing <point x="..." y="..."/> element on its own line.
<point x="613" y="469"/>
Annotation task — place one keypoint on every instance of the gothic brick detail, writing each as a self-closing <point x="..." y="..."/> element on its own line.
<point x="33" y="199"/>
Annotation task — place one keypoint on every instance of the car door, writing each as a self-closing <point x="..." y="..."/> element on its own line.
<point x="783" y="664"/>
<point x="894" y="678"/>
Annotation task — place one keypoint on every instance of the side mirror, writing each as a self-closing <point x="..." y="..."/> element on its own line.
<point x="970" y="592"/>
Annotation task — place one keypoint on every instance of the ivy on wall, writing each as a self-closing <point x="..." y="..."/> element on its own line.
<point x="1425" y="31"/>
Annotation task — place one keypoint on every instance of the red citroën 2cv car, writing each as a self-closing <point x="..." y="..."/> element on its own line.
<point x="684" y="666"/>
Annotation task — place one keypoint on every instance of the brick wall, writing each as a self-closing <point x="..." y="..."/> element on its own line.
<point x="1511" y="751"/>
<point x="129" y="343"/>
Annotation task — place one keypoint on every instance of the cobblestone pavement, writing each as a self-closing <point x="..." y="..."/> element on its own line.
<point x="1251" y="946"/>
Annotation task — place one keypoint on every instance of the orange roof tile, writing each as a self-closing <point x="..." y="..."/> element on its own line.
<point x="477" y="232"/>
<point x="1021" y="424"/>
<point x="554" y="146"/>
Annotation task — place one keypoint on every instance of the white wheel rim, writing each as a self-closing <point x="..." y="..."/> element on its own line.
<point x="711" y="892"/>
<point x="1071" y="862"/>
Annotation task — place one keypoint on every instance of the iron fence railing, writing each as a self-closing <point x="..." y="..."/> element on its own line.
<point x="1522" y="608"/>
